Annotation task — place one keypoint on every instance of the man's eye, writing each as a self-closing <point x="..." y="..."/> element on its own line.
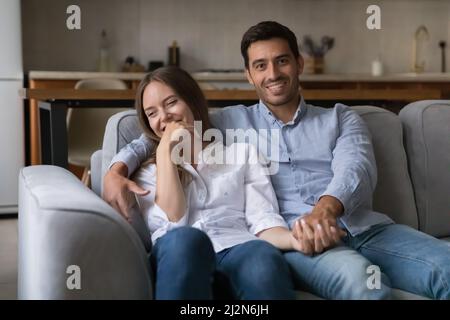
<point x="282" y="61"/>
<point x="259" y="66"/>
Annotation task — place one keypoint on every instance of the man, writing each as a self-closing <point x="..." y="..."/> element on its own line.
<point x="324" y="184"/>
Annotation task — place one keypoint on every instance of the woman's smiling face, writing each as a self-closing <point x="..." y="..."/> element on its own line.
<point x="162" y="105"/>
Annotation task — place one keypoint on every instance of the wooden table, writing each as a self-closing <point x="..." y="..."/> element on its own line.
<point x="53" y="104"/>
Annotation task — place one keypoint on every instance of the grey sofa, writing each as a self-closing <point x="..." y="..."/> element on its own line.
<point x="63" y="223"/>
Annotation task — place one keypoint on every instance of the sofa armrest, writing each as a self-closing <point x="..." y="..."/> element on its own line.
<point x="96" y="172"/>
<point x="427" y="131"/>
<point x="61" y="224"/>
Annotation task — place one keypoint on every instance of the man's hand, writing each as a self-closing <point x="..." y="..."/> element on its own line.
<point x="119" y="191"/>
<point x="318" y="230"/>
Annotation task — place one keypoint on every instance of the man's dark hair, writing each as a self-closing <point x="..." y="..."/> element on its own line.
<point x="266" y="30"/>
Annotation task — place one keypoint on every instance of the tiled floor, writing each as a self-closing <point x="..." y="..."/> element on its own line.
<point x="8" y="258"/>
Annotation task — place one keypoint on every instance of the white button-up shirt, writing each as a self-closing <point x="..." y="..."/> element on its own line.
<point x="231" y="203"/>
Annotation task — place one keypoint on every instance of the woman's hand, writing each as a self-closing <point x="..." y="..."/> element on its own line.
<point x="171" y="134"/>
<point x="169" y="191"/>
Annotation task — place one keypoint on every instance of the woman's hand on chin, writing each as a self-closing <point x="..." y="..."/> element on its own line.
<point x="171" y="136"/>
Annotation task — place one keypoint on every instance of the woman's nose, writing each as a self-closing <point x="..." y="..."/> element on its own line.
<point x="164" y="116"/>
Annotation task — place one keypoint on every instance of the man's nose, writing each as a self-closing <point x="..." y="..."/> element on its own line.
<point x="274" y="73"/>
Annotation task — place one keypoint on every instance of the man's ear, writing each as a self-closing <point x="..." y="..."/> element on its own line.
<point x="300" y="63"/>
<point x="249" y="77"/>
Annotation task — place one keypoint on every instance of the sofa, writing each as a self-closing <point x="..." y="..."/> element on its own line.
<point x="62" y="223"/>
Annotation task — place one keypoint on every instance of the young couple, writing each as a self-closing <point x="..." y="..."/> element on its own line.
<point x="225" y="225"/>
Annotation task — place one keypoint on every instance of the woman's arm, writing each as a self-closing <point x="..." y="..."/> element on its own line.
<point x="261" y="206"/>
<point x="284" y="239"/>
<point x="169" y="190"/>
<point x="280" y="237"/>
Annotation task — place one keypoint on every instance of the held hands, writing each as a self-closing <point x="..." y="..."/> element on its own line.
<point x="318" y="231"/>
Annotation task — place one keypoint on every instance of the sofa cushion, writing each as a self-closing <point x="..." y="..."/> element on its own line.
<point x="394" y="193"/>
<point x="427" y="137"/>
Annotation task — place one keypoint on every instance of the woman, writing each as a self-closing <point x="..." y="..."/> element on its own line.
<point x="206" y="218"/>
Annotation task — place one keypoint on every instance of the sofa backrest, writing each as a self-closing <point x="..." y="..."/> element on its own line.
<point x="121" y="129"/>
<point x="426" y="126"/>
<point x="393" y="194"/>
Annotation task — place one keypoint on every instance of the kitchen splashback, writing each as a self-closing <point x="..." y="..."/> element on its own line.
<point x="209" y="32"/>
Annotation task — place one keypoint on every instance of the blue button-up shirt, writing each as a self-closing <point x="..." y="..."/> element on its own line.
<point x="322" y="151"/>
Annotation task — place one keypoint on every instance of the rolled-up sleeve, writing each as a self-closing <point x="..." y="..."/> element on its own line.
<point x="159" y="224"/>
<point x="261" y="206"/>
<point x="156" y="219"/>
<point x="134" y="153"/>
<point x="353" y="165"/>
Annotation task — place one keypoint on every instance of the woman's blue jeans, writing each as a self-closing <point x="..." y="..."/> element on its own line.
<point x="186" y="267"/>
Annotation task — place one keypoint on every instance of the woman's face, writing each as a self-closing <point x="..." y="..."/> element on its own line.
<point x="162" y="105"/>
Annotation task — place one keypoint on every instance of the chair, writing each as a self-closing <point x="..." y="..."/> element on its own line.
<point x="86" y="126"/>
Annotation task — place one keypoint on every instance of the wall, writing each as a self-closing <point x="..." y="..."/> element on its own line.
<point x="209" y="31"/>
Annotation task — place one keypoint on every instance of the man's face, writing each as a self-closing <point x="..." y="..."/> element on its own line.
<point x="274" y="71"/>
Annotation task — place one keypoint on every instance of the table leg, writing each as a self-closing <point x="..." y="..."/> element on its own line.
<point x="53" y="133"/>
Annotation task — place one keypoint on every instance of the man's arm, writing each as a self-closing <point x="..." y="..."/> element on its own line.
<point x="117" y="188"/>
<point x="354" y="179"/>
<point x="133" y="154"/>
<point x="353" y="165"/>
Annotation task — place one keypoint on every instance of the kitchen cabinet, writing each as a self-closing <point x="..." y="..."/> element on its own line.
<point x="232" y="88"/>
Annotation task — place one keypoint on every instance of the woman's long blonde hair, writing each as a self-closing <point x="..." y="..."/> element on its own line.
<point x="187" y="89"/>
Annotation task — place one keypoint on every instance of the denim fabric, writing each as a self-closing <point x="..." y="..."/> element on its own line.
<point x="408" y="260"/>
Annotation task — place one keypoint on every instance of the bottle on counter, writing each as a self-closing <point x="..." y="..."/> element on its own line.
<point x="174" y="55"/>
<point x="377" y="67"/>
<point x="104" y="61"/>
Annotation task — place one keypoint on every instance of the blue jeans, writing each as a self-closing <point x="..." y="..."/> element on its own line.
<point x="183" y="262"/>
<point x="256" y="270"/>
<point x="186" y="267"/>
<point x="408" y="259"/>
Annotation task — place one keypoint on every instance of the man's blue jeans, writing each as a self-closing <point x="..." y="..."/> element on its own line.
<point x="186" y="267"/>
<point x="408" y="259"/>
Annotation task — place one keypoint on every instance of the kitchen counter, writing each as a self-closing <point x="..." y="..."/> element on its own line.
<point x="233" y="88"/>
<point x="240" y="76"/>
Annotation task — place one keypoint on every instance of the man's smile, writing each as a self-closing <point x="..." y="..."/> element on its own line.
<point x="277" y="87"/>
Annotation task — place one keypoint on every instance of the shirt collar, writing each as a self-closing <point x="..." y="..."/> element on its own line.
<point x="301" y="109"/>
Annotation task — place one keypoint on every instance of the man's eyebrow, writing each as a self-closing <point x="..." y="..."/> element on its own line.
<point x="164" y="101"/>
<point x="285" y="55"/>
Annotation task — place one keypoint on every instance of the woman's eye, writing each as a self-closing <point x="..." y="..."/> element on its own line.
<point x="172" y="102"/>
